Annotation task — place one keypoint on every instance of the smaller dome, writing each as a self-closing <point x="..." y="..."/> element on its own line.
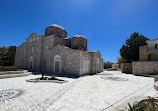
<point x="79" y="42"/>
<point x="79" y="36"/>
<point x="57" y="26"/>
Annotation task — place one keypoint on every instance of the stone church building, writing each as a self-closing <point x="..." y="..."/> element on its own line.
<point x="59" y="53"/>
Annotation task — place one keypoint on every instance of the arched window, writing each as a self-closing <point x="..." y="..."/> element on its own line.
<point x="57" y="58"/>
<point x="155" y="46"/>
<point x="98" y="60"/>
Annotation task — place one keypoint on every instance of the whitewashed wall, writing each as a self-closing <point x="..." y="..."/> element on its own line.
<point x="151" y="44"/>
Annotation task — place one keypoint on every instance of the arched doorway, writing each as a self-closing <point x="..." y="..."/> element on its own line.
<point x="31" y="63"/>
<point x="153" y="57"/>
<point x="57" y="64"/>
<point x="155" y="46"/>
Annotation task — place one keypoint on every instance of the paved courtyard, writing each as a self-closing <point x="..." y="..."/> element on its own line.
<point x="106" y="91"/>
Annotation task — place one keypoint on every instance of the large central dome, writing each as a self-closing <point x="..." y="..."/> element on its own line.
<point x="57" y="26"/>
<point x="56" y="30"/>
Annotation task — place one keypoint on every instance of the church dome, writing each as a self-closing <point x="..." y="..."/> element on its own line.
<point x="57" y="26"/>
<point x="79" y="42"/>
<point x="56" y="30"/>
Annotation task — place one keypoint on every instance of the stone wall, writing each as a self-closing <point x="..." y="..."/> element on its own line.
<point x="96" y="64"/>
<point x="126" y="68"/>
<point x="92" y="63"/>
<point x="30" y="49"/>
<point x="85" y="63"/>
<point x="115" y="66"/>
<point x="144" y="53"/>
<point x="63" y="41"/>
<point x="151" y="43"/>
<point x="145" y="67"/>
<point x="99" y="62"/>
<point x="70" y="60"/>
<point x="74" y="62"/>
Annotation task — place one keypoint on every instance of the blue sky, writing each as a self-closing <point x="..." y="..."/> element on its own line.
<point x="105" y="23"/>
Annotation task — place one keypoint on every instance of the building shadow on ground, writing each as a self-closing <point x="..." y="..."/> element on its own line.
<point x="58" y="75"/>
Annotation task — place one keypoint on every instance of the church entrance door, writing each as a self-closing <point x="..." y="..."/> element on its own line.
<point x="30" y="65"/>
<point x="56" y="66"/>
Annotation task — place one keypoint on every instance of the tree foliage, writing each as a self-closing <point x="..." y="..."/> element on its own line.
<point x="107" y="64"/>
<point x="3" y="55"/>
<point x="130" y="50"/>
<point x="7" y="55"/>
<point x="121" y="60"/>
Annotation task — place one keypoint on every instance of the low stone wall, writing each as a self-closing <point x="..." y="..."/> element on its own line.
<point x="145" y="67"/>
<point x="115" y="66"/>
<point x="126" y="68"/>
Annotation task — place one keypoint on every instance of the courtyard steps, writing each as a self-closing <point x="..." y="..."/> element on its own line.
<point x="11" y="74"/>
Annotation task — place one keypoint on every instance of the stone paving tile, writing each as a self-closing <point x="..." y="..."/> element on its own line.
<point x="89" y="93"/>
<point x="34" y="94"/>
<point x="97" y="94"/>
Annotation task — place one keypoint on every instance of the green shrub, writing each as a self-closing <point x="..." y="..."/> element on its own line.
<point x="150" y="104"/>
<point x="53" y="77"/>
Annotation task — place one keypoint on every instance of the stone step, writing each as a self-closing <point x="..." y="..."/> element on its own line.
<point x="13" y="72"/>
<point x="14" y="75"/>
